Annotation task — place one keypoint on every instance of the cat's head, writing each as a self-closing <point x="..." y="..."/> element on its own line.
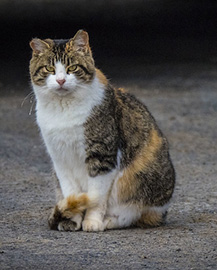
<point x="61" y="66"/>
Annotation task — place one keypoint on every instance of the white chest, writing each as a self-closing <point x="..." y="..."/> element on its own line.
<point x="63" y="133"/>
<point x="61" y="120"/>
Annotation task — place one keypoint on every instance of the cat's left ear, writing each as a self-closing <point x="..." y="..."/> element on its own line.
<point x="80" y="42"/>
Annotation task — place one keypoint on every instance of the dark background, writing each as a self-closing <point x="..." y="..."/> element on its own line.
<point x="125" y="36"/>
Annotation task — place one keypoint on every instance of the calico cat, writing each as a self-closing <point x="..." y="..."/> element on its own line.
<point x="110" y="157"/>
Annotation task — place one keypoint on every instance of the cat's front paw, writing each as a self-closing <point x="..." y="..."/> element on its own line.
<point x="54" y="218"/>
<point x="67" y="225"/>
<point x="58" y="221"/>
<point x="92" y="225"/>
<point x="68" y="214"/>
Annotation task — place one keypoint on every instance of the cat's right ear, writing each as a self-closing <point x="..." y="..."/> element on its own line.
<point x="39" y="46"/>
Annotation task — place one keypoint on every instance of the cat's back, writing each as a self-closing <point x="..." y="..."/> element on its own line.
<point x="130" y="105"/>
<point x="135" y="120"/>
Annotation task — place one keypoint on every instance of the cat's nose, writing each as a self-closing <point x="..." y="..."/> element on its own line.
<point x="61" y="81"/>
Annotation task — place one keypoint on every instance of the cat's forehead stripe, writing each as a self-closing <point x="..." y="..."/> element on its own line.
<point x="59" y="54"/>
<point x="60" y="45"/>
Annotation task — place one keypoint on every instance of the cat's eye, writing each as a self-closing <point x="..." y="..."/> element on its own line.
<point x="50" y="68"/>
<point x="72" y="68"/>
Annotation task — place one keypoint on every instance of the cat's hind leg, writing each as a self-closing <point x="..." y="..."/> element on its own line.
<point x="121" y="216"/>
<point x="126" y="216"/>
<point x="67" y="215"/>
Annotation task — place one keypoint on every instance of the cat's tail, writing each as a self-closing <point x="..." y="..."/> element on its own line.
<point x="152" y="217"/>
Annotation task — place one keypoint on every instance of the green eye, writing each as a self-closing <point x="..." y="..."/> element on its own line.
<point x="50" y="69"/>
<point x="72" y="68"/>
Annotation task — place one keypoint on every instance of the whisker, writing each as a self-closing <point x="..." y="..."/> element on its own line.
<point x="32" y="101"/>
<point x="29" y="95"/>
<point x="31" y="109"/>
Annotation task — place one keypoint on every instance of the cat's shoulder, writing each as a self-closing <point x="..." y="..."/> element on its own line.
<point x="129" y="100"/>
<point x="101" y="77"/>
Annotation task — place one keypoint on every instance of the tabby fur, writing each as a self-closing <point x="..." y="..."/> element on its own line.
<point x="110" y="157"/>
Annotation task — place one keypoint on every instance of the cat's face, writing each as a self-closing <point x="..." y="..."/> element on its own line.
<point x="61" y="66"/>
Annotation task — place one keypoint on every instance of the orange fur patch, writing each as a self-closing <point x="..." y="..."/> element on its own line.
<point x="68" y="47"/>
<point x="74" y="205"/>
<point x="150" y="218"/>
<point x="101" y="77"/>
<point x="79" y="203"/>
<point x="146" y="156"/>
<point x="122" y="90"/>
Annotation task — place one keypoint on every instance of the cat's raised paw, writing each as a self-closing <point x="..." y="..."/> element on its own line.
<point x="91" y="225"/>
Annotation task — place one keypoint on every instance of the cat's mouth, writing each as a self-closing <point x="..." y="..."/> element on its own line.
<point x="61" y="91"/>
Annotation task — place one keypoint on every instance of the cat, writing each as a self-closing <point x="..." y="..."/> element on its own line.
<point x="111" y="159"/>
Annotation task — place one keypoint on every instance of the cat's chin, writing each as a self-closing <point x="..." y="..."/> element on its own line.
<point x="62" y="91"/>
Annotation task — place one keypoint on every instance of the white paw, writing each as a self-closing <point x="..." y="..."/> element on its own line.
<point x="110" y="223"/>
<point x="92" y="225"/>
<point x="78" y="220"/>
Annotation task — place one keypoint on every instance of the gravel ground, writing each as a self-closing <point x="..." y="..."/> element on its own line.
<point x="183" y="99"/>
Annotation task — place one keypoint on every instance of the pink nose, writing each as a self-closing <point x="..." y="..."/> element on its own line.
<point x="61" y="82"/>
